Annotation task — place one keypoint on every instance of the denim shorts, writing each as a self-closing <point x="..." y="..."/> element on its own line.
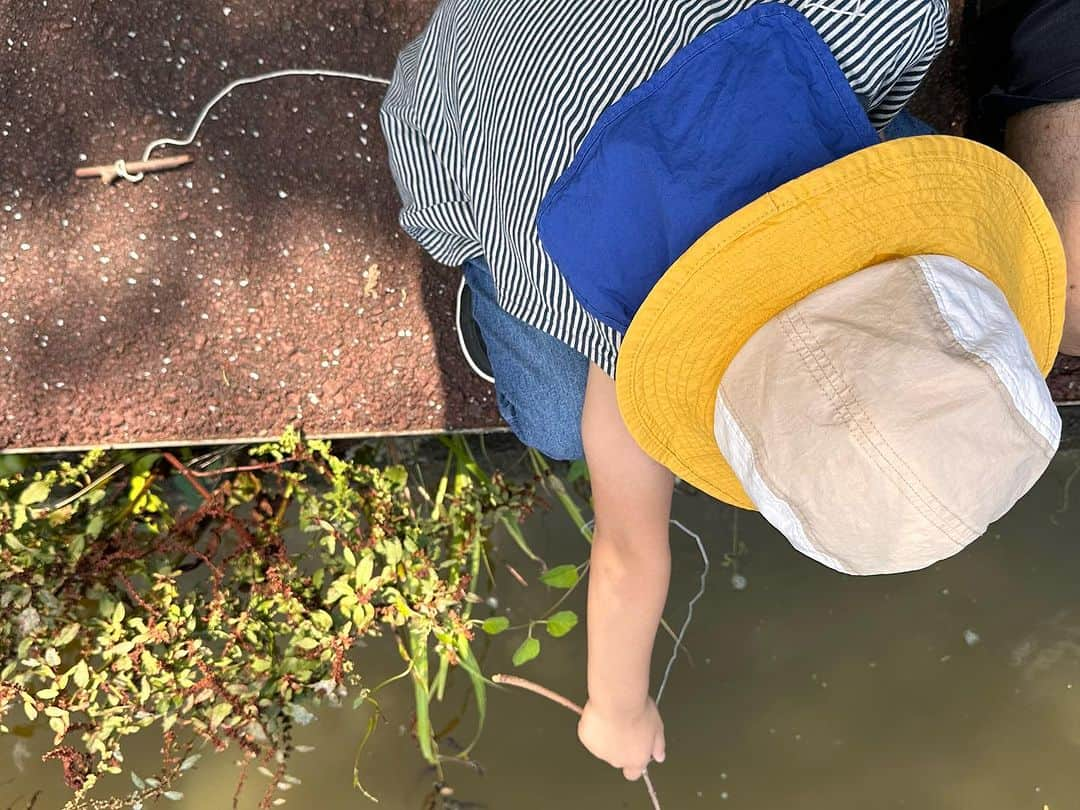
<point x="539" y="380"/>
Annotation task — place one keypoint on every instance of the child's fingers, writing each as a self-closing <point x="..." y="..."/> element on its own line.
<point x="659" y="747"/>
<point x="633" y="774"/>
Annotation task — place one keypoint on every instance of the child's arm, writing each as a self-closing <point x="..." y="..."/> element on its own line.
<point x="628" y="581"/>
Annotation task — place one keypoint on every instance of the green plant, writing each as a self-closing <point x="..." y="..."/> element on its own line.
<point x="151" y="591"/>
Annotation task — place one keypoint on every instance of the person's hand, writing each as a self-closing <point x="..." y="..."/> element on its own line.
<point x="626" y="740"/>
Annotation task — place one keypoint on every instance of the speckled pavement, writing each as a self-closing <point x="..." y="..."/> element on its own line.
<point x="265" y="283"/>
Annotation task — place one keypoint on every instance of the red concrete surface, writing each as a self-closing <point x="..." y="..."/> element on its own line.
<point x="265" y="283"/>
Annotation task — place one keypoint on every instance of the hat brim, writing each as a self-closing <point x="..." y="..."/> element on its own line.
<point x="930" y="194"/>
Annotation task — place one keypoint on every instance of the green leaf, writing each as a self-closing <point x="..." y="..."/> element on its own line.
<point x="322" y="620"/>
<point x="577" y="470"/>
<point x="364" y="571"/>
<point x="173" y="795"/>
<point x="468" y="662"/>
<point x="373" y="719"/>
<point x="561" y="623"/>
<point x="396" y="475"/>
<point x="144" y="462"/>
<point x="35" y="493"/>
<point x="76" y="547"/>
<point x="495" y="625"/>
<point x="80" y="673"/>
<point x="350" y="558"/>
<point x="529" y="649"/>
<point x="561" y="576"/>
<point x="514" y="530"/>
<point x="137" y="781"/>
<point x="95" y="525"/>
<point x="219" y="713"/>
<point x="67" y="635"/>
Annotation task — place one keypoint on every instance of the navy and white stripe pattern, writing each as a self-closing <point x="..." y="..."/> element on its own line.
<point x="488" y="106"/>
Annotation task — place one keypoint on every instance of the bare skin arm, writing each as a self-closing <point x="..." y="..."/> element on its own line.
<point x="628" y="581"/>
<point x="1045" y="141"/>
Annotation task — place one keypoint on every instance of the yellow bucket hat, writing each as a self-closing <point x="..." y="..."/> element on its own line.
<point x="932" y="196"/>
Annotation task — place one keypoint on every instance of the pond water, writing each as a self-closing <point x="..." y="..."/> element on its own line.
<point x="954" y="687"/>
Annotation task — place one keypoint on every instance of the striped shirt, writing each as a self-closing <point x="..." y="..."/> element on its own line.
<point x="489" y="105"/>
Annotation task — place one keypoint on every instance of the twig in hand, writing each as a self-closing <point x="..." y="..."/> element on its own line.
<point x="543" y="691"/>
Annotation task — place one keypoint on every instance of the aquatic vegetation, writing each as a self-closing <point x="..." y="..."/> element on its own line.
<point x="159" y="591"/>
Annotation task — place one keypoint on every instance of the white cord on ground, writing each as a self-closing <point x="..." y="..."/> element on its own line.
<point x="275" y="74"/>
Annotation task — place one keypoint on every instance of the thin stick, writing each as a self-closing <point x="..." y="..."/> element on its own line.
<point x="111" y="172"/>
<point x="543" y="691"/>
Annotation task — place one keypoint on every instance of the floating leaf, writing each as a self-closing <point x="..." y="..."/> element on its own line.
<point x="561" y="576"/>
<point x="137" y="781"/>
<point x="173" y="795"/>
<point x="561" y="623"/>
<point x="529" y="649"/>
<point x="495" y="625"/>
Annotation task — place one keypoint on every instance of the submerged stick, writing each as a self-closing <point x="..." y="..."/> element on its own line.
<point x="112" y="171"/>
<point x="543" y="691"/>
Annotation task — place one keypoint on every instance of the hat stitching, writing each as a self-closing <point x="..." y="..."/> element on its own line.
<point x="929" y="287"/>
<point x="865" y="430"/>
<point x="770" y="482"/>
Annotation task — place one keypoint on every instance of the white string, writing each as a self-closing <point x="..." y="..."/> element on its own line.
<point x="275" y="74"/>
<point x="689" y="610"/>
<point x="586" y="530"/>
<point x="121" y="170"/>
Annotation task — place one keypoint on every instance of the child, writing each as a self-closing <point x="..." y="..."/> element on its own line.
<point x="567" y="155"/>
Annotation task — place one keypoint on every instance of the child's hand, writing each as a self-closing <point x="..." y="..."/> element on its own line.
<point x="625" y="740"/>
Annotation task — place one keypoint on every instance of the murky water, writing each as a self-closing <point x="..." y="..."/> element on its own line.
<point x="955" y="687"/>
